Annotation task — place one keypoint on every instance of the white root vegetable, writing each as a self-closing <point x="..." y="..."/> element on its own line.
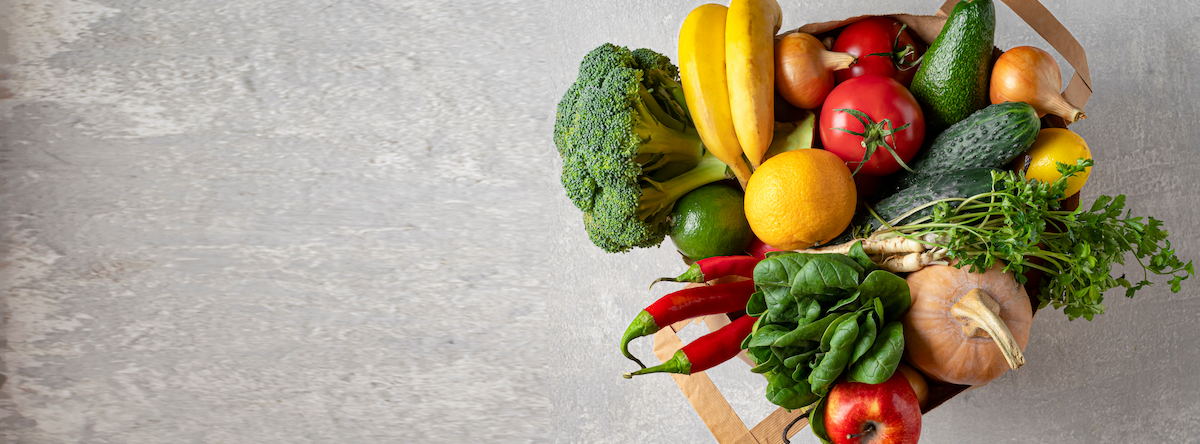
<point x="896" y="253"/>
<point x="886" y="243"/>
<point x="907" y="263"/>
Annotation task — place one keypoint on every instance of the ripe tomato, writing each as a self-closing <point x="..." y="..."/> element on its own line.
<point x="883" y="118"/>
<point x="883" y="46"/>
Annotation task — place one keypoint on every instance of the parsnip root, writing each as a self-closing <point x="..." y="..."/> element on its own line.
<point x="907" y="263"/>
<point x="886" y="243"/>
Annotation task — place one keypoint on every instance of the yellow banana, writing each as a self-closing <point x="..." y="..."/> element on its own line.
<point x="750" y="32"/>
<point x="702" y="74"/>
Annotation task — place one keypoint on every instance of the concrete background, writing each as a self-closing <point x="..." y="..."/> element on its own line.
<point x="340" y="222"/>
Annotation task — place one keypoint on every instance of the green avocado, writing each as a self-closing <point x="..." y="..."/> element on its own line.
<point x="952" y="81"/>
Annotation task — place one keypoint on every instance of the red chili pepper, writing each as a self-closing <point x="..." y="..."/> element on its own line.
<point x="707" y="269"/>
<point x="706" y="352"/>
<point x="686" y="304"/>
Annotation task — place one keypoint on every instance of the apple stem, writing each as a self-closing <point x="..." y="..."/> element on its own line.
<point x="869" y="429"/>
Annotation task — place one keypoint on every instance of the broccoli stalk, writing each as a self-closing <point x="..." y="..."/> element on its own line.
<point x="659" y="197"/>
<point x="664" y="139"/>
<point x="629" y="147"/>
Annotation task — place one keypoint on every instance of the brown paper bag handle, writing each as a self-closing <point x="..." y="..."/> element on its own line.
<point x="1079" y="89"/>
<point x="711" y="405"/>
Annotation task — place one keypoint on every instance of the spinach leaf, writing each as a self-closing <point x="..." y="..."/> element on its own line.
<point x="847" y="260"/>
<point x="891" y="290"/>
<point x="827" y="336"/>
<point x="788" y="393"/>
<point x="757" y="304"/>
<point x="849" y="302"/>
<point x="866" y="338"/>
<point x="816" y="360"/>
<point x="822" y="276"/>
<point x="878" y="364"/>
<point x="774" y="297"/>
<point x="834" y="363"/>
<point x="802" y="371"/>
<point x="810" y="309"/>
<point x="816" y="421"/>
<point x="795" y="361"/>
<point x="808" y="332"/>
<point x="783" y="313"/>
<point x="760" y="355"/>
<point x="767" y="335"/>
<point x="784" y="353"/>
<point x="777" y="271"/>
<point x="772" y="363"/>
<point x="860" y="256"/>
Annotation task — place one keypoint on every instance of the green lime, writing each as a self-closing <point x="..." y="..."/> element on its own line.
<point x="710" y="221"/>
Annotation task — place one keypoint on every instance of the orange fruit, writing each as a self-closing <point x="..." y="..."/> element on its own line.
<point x="1055" y="145"/>
<point x="799" y="198"/>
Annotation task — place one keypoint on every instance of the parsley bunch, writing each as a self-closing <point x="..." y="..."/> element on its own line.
<point x="1022" y="224"/>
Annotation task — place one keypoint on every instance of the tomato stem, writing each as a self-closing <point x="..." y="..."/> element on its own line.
<point x="875" y="134"/>
<point x="899" y="53"/>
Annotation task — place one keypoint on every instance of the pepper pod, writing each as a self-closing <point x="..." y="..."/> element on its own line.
<point x="706" y="352"/>
<point x="686" y="304"/>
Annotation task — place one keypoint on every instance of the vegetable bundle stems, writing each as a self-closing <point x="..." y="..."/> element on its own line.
<point x="1022" y="224"/>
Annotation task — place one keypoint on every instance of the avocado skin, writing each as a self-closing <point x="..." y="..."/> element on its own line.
<point x="952" y="81"/>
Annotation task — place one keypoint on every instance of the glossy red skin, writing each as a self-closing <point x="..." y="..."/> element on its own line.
<point x="880" y="98"/>
<point x="891" y="407"/>
<point x="712" y="349"/>
<point x="701" y="301"/>
<point x="759" y="249"/>
<point x="873" y="36"/>
<point x="721" y="266"/>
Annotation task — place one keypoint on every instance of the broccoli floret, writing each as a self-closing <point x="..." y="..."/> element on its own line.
<point x="629" y="147"/>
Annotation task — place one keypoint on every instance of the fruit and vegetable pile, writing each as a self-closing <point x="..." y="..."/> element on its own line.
<point x="862" y="197"/>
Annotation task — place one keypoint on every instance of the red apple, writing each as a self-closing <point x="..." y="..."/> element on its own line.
<point x="873" y="413"/>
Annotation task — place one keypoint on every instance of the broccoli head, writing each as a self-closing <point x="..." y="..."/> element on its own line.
<point x="629" y="147"/>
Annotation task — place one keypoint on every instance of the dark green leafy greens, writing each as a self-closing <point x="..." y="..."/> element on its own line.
<point x="1022" y="224"/>
<point x="820" y="317"/>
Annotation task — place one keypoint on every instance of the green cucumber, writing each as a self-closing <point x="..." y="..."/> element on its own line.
<point x="952" y="81"/>
<point x="961" y="183"/>
<point x="990" y="138"/>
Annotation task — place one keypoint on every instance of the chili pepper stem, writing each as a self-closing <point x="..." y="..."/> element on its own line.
<point x="677" y="364"/>
<point x="693" y="274"/>
<point x="642" y="325"/>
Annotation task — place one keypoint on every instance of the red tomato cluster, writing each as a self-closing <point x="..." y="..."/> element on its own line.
<point x="870" y="119"/>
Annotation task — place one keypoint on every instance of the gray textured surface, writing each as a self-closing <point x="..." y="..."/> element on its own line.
<point x="340" y="222"/>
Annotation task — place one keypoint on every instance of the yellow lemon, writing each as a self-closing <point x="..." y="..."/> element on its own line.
<point x="1058" y="145"/>
<point x="798" y="198"/>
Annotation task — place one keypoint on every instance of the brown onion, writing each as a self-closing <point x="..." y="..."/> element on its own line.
<point x="1028" y="74"/>
<point x="917" y="381"/>
<point x="804" y="69"/>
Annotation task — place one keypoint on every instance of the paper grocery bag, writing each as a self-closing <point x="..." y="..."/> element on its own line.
<point x="700" y="391"/>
